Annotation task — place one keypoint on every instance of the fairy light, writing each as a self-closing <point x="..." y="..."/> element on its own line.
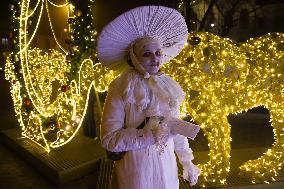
<point x="266" y="62"/>
<point x="32" y="12"/>
<point x="51" y="27"/>
<point x="50" y="105"/>
<point x="70" y="106"/>
<point x="23" y="26"/>
<point x="56" y="5"/>
<point x="180" y="5"/>
<point x="41" y="72"/>
<point x="220" y="78"/>
<point x="50" y="92"/>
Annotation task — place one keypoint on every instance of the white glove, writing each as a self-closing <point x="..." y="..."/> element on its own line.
<point x="160" y="130"/>
<point x="152" y="123"/>
<point x="191" y="173"/>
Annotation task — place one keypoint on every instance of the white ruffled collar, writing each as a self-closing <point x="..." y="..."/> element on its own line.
<point x="159" y="95"/>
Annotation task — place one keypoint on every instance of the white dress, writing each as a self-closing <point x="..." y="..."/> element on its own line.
<point x="129" y="100"/>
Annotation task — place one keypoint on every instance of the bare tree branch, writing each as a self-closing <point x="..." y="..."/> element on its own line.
<point x="203" y="21"/>
<point x="219" y="9"/>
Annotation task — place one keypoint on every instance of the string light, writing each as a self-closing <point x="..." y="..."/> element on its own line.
<point x="32" y="12"/>
<point x="51" y="27"/>
<point x="221" y="78"/>
<point x="23" y="44"/>
<point x="50" y="104"/>
<point x="50" y="90"/>
<point x="56" y="5"/>
<point x="70" y="106"/>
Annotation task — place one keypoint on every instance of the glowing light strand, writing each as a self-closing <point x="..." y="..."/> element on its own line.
<point x="59" y="6"/>
<point x="32" y="13"/>
<point x="53" y="33"/>
<point x="22" y="31"/>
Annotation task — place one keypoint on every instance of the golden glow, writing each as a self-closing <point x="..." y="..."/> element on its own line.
<point x="24" y="41"/>
<point x="45" y="81"/>
<point x="56" y="5"/>
<point x="50" y="23"/>
<point x="42" y="93"/>
<point x="219" y="79"/>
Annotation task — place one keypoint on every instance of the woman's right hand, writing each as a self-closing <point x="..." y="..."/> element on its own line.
<point x="159" y="129"/>
<point x="161" y="132"/>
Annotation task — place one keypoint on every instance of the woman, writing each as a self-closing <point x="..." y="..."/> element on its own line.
<point x="145" y="37"/>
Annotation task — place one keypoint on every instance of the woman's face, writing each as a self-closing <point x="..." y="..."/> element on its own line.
<point x="150" y="57"/>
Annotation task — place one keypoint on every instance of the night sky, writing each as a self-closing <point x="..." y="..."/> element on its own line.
<point x="104" y="10"/>
<point x="4" y="14"/>
<point x="107" y="10"/>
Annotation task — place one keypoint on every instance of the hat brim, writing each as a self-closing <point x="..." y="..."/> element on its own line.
<point x="162" y="23"/>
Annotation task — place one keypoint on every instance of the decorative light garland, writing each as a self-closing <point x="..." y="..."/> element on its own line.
<point x="266" y="83"/>
<point x="50" y="103"/>
<point x="50" y="90"/>
<point x="222" y="78"/>
<point x="56" y="5"/>
<point x="50" y="24"/>
<point x="23" y="21"/>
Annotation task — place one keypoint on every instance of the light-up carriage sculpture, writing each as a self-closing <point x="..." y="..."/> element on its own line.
<point x="50" y="92"/>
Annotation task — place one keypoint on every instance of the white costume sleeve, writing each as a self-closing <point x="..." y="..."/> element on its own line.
<point x="114" y="136"/>
<point x="185" y="156"/>
<point x="182" y="149"/>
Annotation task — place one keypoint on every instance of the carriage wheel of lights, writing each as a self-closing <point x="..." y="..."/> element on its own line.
<point x="222" y="78"/>
<point x="49" y="104"/>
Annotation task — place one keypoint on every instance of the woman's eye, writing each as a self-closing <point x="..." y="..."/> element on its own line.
<point x="158" y="53"/>
<point x="146" y="54"/>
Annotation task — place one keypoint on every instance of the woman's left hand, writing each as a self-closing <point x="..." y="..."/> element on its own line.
<point x="191" y="173"/>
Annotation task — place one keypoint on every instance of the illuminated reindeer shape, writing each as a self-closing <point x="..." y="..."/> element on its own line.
<point x="220" y="78"/>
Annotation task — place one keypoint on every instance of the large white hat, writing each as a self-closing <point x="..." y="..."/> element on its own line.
<point x="162" y="23"/>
